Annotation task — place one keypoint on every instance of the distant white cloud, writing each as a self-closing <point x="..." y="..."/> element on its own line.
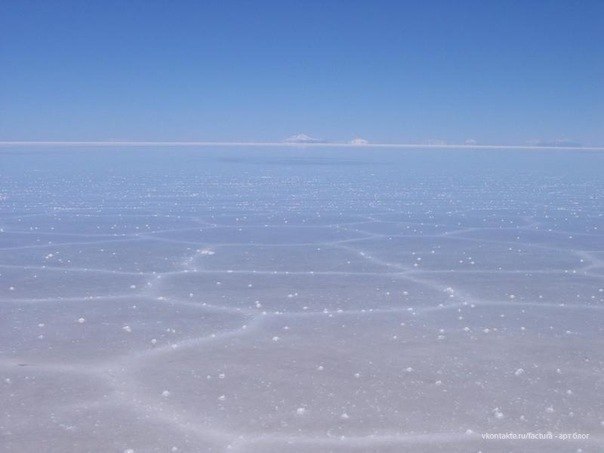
<point x="303" y="138"/>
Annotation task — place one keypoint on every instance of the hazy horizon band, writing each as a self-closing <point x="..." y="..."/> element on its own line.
<point x="292" y="145"/>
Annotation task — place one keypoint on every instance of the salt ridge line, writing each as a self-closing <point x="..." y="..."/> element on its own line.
<point x="582" y="270"/>
<point x="334" y="312"/>
<point x="254" y="322"/>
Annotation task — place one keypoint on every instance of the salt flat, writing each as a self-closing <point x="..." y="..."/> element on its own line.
<point x="300" y="300"/>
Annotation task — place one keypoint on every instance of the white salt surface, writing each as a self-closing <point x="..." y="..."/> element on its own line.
<point x="300" y="300"/>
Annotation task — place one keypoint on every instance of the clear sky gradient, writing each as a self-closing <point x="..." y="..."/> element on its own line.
<point x="390" y="71"/>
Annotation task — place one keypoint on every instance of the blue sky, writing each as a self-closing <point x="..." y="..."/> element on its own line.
<point x="498" y="72"/>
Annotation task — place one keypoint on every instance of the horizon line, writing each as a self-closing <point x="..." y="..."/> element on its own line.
<point x="134" y="143"/>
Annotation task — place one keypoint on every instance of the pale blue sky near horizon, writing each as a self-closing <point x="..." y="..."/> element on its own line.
<point x="504" y="72"/>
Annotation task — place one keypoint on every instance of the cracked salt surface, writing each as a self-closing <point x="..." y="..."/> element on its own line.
<point x="287" y="301"/>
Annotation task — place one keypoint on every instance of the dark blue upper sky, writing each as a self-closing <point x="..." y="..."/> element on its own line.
<point x="497" y="72"/>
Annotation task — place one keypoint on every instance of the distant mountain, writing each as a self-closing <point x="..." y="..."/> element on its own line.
<point x="560" y="143"/>
<point x="303" y="138"/>
<point x="358" y="141"/>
